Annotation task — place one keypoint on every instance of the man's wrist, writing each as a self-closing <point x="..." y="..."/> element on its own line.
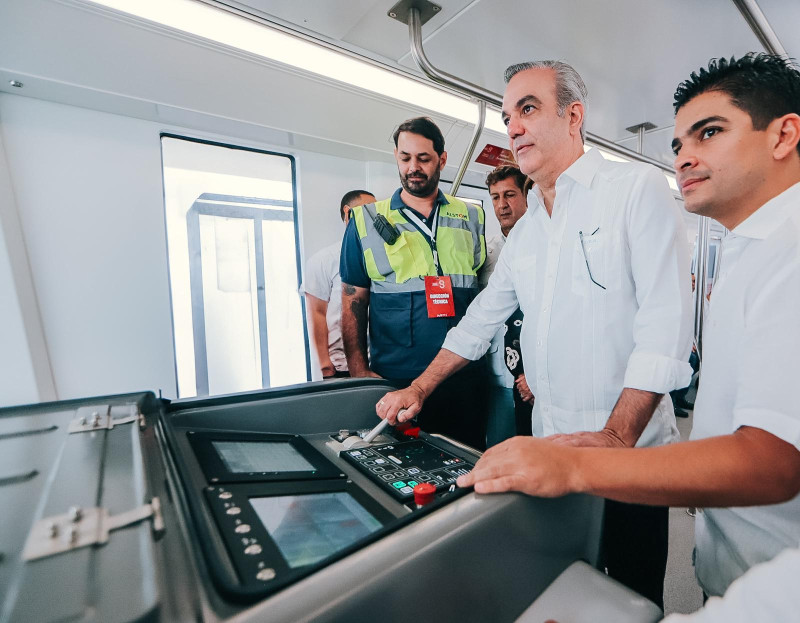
<point x="616" y="439"/>
<point x="580" y="473"/>
<point x="420" y="389"/>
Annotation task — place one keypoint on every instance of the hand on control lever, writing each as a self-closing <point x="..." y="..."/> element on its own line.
<point x="400" y="406"/>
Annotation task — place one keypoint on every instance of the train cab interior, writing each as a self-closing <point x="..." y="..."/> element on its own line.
<point x="167" y="169"/>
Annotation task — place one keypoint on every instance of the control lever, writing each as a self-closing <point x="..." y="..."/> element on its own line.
<point x="379" y="428"/>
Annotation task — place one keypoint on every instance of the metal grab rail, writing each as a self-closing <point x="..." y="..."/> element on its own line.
<point x="761" y="28"/>
<point x="700" y="278"/>
<point x="473" y="90"/>
<point x="476" y="134"/>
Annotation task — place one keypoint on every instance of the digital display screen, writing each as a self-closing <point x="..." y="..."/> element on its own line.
<point x="261" y="456"/>
<point x="309" y="528"/>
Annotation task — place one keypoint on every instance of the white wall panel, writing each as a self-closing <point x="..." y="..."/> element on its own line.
<point x="17" y="379"/>
<point x="25" y="375"/>
<point x="89" y="192"/>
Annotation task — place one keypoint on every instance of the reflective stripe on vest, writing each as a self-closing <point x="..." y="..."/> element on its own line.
<point x="400" y="267"/>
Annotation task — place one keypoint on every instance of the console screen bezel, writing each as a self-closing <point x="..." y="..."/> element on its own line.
<point x="223" y="497"/>
<point x="217" y="471"/>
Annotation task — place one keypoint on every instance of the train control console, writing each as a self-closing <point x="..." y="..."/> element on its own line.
<point x="269" y="506"/>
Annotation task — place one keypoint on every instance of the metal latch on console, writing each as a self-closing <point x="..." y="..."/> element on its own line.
<point x="104" y="417"/>
<point x="82" y="527"/>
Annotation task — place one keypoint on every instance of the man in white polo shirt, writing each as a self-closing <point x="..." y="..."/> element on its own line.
<point x="737" y="147"/>
<point x="323" y="291"/>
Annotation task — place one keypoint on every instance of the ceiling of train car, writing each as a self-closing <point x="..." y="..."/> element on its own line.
<point x="631" y="53"/>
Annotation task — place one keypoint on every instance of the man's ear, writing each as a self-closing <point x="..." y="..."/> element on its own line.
<point x="576" y="114"/>
<point x="442" y="160"/>
<point x="784" y="135"/>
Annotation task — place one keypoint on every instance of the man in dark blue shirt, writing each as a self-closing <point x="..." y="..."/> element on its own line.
<point x="410" y="264"/>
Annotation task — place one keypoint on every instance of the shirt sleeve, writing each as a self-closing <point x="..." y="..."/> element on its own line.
<point x="767" y="592"/>
<point x="318" y="281"/>
<point x="471" y="337"/>
<point x="351" y="262"/>
<point x="770" y="352"/>
<point x="662" y="327"/>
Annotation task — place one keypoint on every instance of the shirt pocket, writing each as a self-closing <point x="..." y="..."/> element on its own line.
<point x="523" y="276"/>
<point x="597" y="262"/>
<point x="390" y="319"/>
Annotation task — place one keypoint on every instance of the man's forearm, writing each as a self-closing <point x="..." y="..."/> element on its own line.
<point x="319" y="331"/>
<point x="355" y="305"/>
<point x="630" y="415"/>
<point x="749" y="467"/>
<point x="443" y="365"/>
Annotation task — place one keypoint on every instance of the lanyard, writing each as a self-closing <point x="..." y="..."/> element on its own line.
<point x="431" y="234"/>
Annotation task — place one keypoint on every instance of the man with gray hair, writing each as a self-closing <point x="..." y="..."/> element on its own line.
<point x="599" y="266"/>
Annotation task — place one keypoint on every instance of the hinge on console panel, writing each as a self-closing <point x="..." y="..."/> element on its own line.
<point x="104" y="417"/>
<point x="82" y="527"/>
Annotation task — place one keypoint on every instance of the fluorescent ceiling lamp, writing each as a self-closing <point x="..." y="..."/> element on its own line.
<point x="241" y="33"/>
<point x="238" y="32"/>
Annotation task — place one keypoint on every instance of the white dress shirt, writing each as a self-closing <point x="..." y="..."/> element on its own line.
<point x="581" y="343"/>
<point x="767" y="593"/>
<point x="322" y="281"/>
<point x="501" y="377"/>
<point x="751" y="360"/>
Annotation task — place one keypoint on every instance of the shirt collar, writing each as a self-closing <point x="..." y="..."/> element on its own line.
<point x="581" y="171"/>
<point x="770" y="216"/>
<point x="397" y="202"/>
<point x="585" y="168"/>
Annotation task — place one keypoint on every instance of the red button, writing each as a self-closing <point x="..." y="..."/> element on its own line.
<point x="412" y="432"/>
<point x="424" y="493"/>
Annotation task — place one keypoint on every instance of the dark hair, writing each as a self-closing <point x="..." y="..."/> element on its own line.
<point x="351" y="196"/>
<point x="503" y="173"/>
<point x="424" y="126"/>
<point x="765" y="86"/>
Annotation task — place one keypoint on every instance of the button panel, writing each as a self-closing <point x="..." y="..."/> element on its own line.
<point x="411" y="463"/>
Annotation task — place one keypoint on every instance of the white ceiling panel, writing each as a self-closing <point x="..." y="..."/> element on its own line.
<point x="631" y="53"/>
<point x="332" y="18"/>
<point x="784" y="17"/>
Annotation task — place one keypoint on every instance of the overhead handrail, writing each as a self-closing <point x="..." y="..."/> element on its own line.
<point x="476" y="134"/>
<point x="490" y="97"/>
<point x="760" y="26"/>
<point x="700" y="279"/>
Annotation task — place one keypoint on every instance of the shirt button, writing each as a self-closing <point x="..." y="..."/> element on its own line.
<point x="538" y="342"/>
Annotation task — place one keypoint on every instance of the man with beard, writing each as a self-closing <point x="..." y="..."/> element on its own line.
<point x="410" y="263"/>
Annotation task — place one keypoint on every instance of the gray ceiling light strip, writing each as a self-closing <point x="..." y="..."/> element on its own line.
<point x="758" y="23"/>
<point x="473" y="90"/>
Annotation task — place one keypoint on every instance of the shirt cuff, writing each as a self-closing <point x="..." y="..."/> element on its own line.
<point x="656" y="373"/>
<point x="783" y="426"/>
<point x="465" y="345"/>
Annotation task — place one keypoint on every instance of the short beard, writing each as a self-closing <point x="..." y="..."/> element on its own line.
<point x="426" y="190"/>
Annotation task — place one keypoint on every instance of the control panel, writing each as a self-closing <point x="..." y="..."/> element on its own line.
<point x="398" y="467"/>
<point x="276" y="506"/>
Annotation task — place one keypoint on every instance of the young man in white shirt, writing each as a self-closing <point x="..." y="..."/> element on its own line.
<point x="323" y="291"/>
<point x="599" y="266"/>
<point x="737" y="146"/>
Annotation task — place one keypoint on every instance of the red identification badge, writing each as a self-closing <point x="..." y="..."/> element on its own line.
<point x="439" y="295"/>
